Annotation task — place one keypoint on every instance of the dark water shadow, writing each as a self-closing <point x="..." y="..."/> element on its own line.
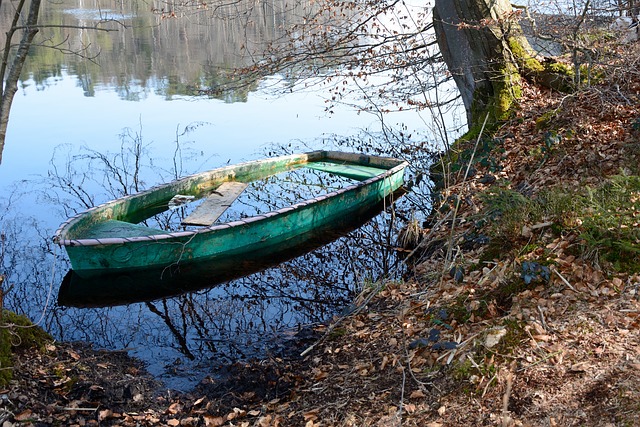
<point x="113" y="289"/>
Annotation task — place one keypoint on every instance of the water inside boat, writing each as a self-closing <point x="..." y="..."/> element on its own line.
<point x="269" y="194"/>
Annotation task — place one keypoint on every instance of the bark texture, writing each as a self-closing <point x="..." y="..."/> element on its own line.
<point x="473" y="38"/>
<point x="485" y="50"/>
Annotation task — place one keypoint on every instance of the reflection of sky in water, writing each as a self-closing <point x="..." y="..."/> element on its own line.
<point x="59" y="112"/>
<point x="44" y="118"/>
<point x="97" y="14"/>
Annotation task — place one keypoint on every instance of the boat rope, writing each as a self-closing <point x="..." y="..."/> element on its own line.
<point x="184" y="247"/>
<point x="50" y="290"/>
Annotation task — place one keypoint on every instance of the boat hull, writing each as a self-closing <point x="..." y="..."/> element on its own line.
<point x="260" y="234"/>
<point x="112" y="288"/>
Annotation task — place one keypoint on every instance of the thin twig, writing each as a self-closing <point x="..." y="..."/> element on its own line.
<point x="64" y="408"/>
<point x="537" y="362"/>
<point x="404" y="379"/>
<point x="506" y="419"/>
<point x="542" y="319"/>
<point x="565" y="281"/>
<point x="488" y="384"/>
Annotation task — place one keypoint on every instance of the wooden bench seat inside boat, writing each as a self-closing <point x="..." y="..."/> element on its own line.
<point x="215" y="204"/>
<point x="357" y="172"/>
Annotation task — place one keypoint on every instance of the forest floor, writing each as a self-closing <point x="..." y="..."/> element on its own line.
<point x="523" y="308"/>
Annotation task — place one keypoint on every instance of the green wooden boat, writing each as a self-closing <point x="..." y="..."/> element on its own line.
<point x="114" y="236"/>
<point x="120" y="287"/>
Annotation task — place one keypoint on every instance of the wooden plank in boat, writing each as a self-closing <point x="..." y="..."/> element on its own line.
<point x="357" y="172"/>
<point x="215" y="204"/>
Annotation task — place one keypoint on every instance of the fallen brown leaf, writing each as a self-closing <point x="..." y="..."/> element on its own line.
<point x="211" y="421"/>
<point x="417" y="394"/>
<point x="24" y="415"/>
<point x="107" y="413"/>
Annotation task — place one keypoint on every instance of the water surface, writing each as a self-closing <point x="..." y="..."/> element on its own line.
<point x="132" y="114"/>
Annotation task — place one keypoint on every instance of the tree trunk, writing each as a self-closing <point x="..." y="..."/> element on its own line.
<point x="11" y="84"/>
<point x="487" y="54"/>
<point x="473" y="38"/>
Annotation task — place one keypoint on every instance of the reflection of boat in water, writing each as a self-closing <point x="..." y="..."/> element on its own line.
<point x="131" y="286"/>
<point x="110" y="238"/>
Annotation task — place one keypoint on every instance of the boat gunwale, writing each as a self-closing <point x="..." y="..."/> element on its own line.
<point x="218" y="227"/>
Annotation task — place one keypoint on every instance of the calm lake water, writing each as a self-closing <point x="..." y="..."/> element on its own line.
<point x="75" y="122"/>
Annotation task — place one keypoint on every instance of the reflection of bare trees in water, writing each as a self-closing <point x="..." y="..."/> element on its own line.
<point x="21" y="24"/>
<point x="241" y="319"/>
<point x="171" y="48"/>
<point x="81" y="178"/>
<point x="26" y="264"/>
<point x="247" y="316"/>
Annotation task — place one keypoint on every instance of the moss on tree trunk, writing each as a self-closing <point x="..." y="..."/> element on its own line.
<point x="487" y="55"/>
<point x="472" y="36"/>
<point x="551" y="74"/>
